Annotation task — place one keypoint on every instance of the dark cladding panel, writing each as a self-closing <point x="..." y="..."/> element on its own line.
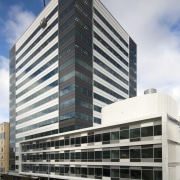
<point x="12" y="110"/>
<point x="132" y="68"/>
<point x="75" y="64"/>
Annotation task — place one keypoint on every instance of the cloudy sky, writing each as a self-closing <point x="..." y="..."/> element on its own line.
<point x="154" y="26"/>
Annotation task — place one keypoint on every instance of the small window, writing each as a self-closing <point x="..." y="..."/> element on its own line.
<point x="84" y="155"/>
<point x="157" y="130"/>
<point x="135" y="153"/>
<point x="147" y="131"/>
<point x="135" y="174"/>
<point x="158" y="175"/>
<point x="115" y="173"/>
<point x="62" y="142"/>
<point x="98" y="155"/>
<point x="84" y="171"/>
<point x="106" y="136"/>
<point x="135" y="133"/>
<point x="124" y="154"/>
<point x="114" y="154"/>
<point x="66" y="155"/>
<point x="72" y="156"/>
<point x="91" y="139"/>
<point x="124" y="134"/>
<point x="77" y="170"/>
<point x="78" y="140"/>
<point x="72" y="141"/>
<point x="83" y="139"/>
<point x="91" y="171"/>
<point x="157" y="152"/>
<point x="66" y="141"/>
<point x="147" y="153"/>
<point x="106" y="172"/>
<point x="62" y="156"/>
<point x="78" y="155"/>
<point x="98" y="138"/>
<point x="106" y="154"/>
<point x="91" y="155"/>
<point x="124" y="173"/>
<point x="147" y="174"/>
<point x="98" y="172"/>
<point x="115" y="135"/>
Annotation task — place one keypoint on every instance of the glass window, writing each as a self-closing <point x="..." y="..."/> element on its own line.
<point x="52" y="169"/>
<point x="135" y="133"/>
<point x="78" y="140"/>
<point x="57" y="170"/>
<point x="106" y="172"/>
<point x="157" y="152"/>
<point x="98" y="172"/>
<point x="147" y="153"/>
<point x="115" y="173"/>
<point x="135" y="174"/>
<point x="83" y="139"/>
<point x="114" y="154"/>
<point x="98" y="155"/>
<point x="124" y="134"/>
<point x="124" y="173"/>
<point x="62" y="156"/>
<point x="57" y="143"/>
<point x="124" y="154"/>
<point x="135" y="153"/>
<point x="91" y="139"/>
<point x="106" y="136"/>
<point x="147" y="174"/>
<point x="66" y="169"/>
<point x="48" y="144"/>
<point x="147" y="131"/>
<point x="52" y="156"/>
<point x="57" y="156"/>
<point x="157" y="130"/>
<point x="72" y="141"/>
<point x="66" y="141"/>
<point x="78" y="155"/>
<point x="91" y="155"/>
<point x="115" y="135"/>
<point x="91" y="171"/>
<point x="72" y="170"/>
<point x="66" y="155"/>
<point x="157" y="175"/>
<point x="72" y="156"/>
<point x="84" y="155"/>
<point x="84" y="171"/>
<point x="77" y="170"/>
<point x="106" y="154"/>
<point x="98" y="138"/>
<point x="62" y="142"/>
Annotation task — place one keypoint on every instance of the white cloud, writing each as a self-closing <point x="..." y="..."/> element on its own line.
<point x="4" y="90"/>
<point x="154" y="25"/>
<point x="17" y="22"/>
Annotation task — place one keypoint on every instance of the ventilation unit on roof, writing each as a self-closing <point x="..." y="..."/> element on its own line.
<point x="150" y="91"/>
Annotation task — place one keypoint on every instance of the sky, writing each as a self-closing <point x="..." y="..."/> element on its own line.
<point x="153" y="25"/>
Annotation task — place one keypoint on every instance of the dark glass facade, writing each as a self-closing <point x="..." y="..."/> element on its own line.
<point x="75" y="44"/>
<point x="12" y="109"/>
<point x="132" y="68"/>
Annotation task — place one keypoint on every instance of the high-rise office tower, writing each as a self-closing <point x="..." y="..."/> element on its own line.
<point x="72" y="60"/>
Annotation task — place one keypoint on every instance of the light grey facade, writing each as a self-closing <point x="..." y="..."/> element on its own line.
<point x="73" y="60"/>
<point x="141" y="142"/>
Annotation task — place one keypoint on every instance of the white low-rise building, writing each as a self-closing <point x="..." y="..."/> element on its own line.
<point x="139" y="139"/>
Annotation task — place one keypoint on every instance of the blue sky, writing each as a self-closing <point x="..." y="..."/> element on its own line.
<point x="154" y="25"/>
